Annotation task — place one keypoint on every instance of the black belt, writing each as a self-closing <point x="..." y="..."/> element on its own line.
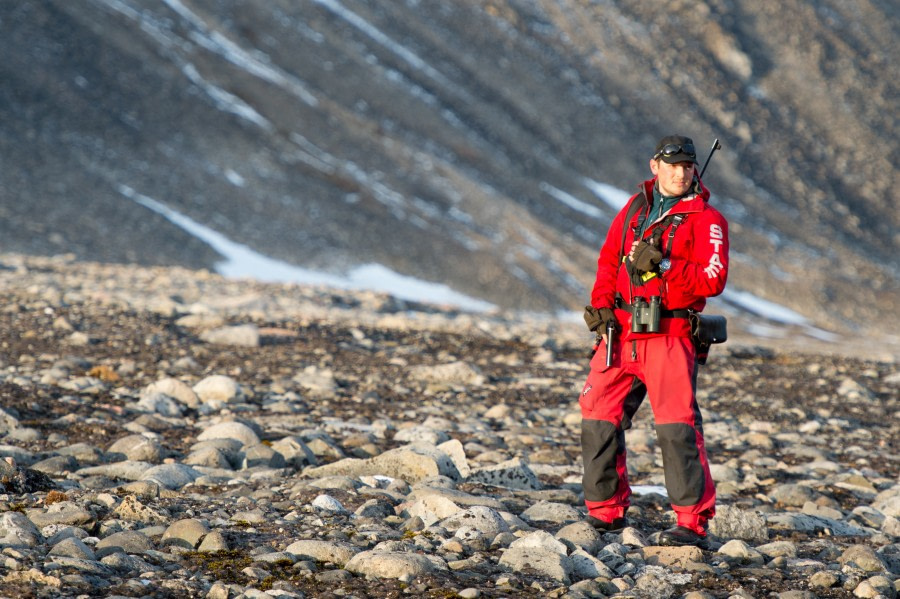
<point x="621" y="305"/>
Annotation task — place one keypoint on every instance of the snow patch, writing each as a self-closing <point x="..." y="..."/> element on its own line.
<point x="243" y="262"/>
<point x="378" y="36"/>
<point x="219" y="44"/>
<point x="571" y="201"/>
<point x="760" y="307"/>
<point x="614" y="197"/>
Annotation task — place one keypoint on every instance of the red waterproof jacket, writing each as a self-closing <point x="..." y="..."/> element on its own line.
<point x="699" y="255"/>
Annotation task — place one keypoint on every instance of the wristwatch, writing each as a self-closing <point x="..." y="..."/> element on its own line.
<point x="664" y="265"/>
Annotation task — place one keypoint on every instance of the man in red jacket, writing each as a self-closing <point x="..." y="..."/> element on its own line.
<point x="675" y="250"/>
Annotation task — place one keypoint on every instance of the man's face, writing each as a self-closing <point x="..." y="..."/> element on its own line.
<point x="673" y="179"/>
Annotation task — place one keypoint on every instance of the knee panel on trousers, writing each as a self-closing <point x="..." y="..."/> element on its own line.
<point x="685" y="475"/>
<point x="601" y="445"/>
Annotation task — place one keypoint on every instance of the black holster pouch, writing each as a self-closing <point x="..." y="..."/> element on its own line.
<point x="705" y="331"/>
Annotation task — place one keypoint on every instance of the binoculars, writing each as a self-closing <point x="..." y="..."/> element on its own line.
<point x="645" y="315"/>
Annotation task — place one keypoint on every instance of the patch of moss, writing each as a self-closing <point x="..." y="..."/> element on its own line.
<point x="223" y="565"/>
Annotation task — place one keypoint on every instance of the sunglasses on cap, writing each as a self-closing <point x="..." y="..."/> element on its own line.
<point x="670" y="150"/>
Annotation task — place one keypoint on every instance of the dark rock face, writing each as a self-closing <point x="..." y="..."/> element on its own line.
<point x="454" y="142"/>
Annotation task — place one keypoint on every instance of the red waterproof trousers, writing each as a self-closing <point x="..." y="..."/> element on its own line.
<point x="667" y="366"/>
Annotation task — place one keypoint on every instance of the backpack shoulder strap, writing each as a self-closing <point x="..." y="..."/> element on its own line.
<point x="676" y="220"/>
<point x="639" y="201"/>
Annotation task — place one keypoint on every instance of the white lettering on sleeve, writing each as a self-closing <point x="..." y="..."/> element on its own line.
<point x="717" y="239"/>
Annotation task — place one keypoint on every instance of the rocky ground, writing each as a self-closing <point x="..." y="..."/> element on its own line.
<point x="168" y="433"/>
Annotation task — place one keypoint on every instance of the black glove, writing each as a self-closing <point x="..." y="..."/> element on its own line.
<point x="596" y="319"/>
<point x="646" y="257"/>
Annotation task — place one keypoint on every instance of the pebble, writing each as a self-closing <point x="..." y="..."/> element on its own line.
<point x="184" y="462"/>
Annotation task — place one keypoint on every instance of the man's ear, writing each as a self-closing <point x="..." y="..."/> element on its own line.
<point x="654" y="167"/>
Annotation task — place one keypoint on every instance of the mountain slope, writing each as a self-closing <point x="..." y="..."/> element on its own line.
<point x="456" y="142"/>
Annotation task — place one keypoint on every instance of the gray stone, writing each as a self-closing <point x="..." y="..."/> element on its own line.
<point x="21" y="457"/>
<point x="275" y="557"/>
<point x="125" y="563"/>
<point x="807" y="523"/>
<point x="127" y="470"/>
<point x="83" y="452"/>
<point x="142" y="489"/>
<point x="683" y="557"/>
<point x="8" y="422"/>
<point x="793" y="495"/>
<point x="875" y="588"/>
<point x="55" y="533"/>
<point x="455" y="451"/>
<point x="327" y="503"/>
<point x="431" y="509"/>
<point x="159" y="403"/>
<point x="230" y="430"/>
<point x="208" y="457"/>
<point x="219" y="388"/>
<point x="548" y="512"/>
<point x="540" y="539"/>
<point x="323" y="446"/>
<point x="141" y="448"/>
<point x="409" y="462"/>
<point x="655" y="583"/>
<point x="131" y="509"/>
<point x="484" y="519"/>
<point x="814" y="509"/>
<point x="63" y="512"/>
<point x="185" y="533"/>
<point x="214" y="541"/>
<point x="174" y="388"/>
<point x="323" y="551"/>
<point x="732" y="522"/>
<point x="23" y="434"/>
<point x="377" y="509"/>
<point x="72" y="547"/>
<point x="863" y="557"/>
<point x="171" y="476"/>
<point x="868" y="516"/>
<point x="421" y="434"/>
<point x="778" y="549"/>
<point x="888" y="502"/>
<point x="261" y="455"/>
<point x="543" y="562"/>
<point x="59" y="465"/>
<point x="297" y="454"/>
<point x="127" y="541"/>
<point x="581" y="535"/>
<point x="512" y="474"/>
<point x="394" y="564"/>
<point x="741" y="552"/>
<point x="18" y="531"/>
<point x="586" y="565"/>
<point x="83" y="565"/>
<point x="632" y="537"/>
<point x="824" y="579"/>
<point x="256" y="516"/>
<point x="241" y="335"/>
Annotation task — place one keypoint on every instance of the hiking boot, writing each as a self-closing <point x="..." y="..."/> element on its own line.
<point x="679" y="536"/>
<point x="604" y="526"/>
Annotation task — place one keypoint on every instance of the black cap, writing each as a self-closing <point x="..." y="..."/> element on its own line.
<point x="674" y="149"/>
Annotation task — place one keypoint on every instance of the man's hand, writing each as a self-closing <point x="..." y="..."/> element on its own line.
<point x="596" y="319"/>
<point x="644" y="257"/>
